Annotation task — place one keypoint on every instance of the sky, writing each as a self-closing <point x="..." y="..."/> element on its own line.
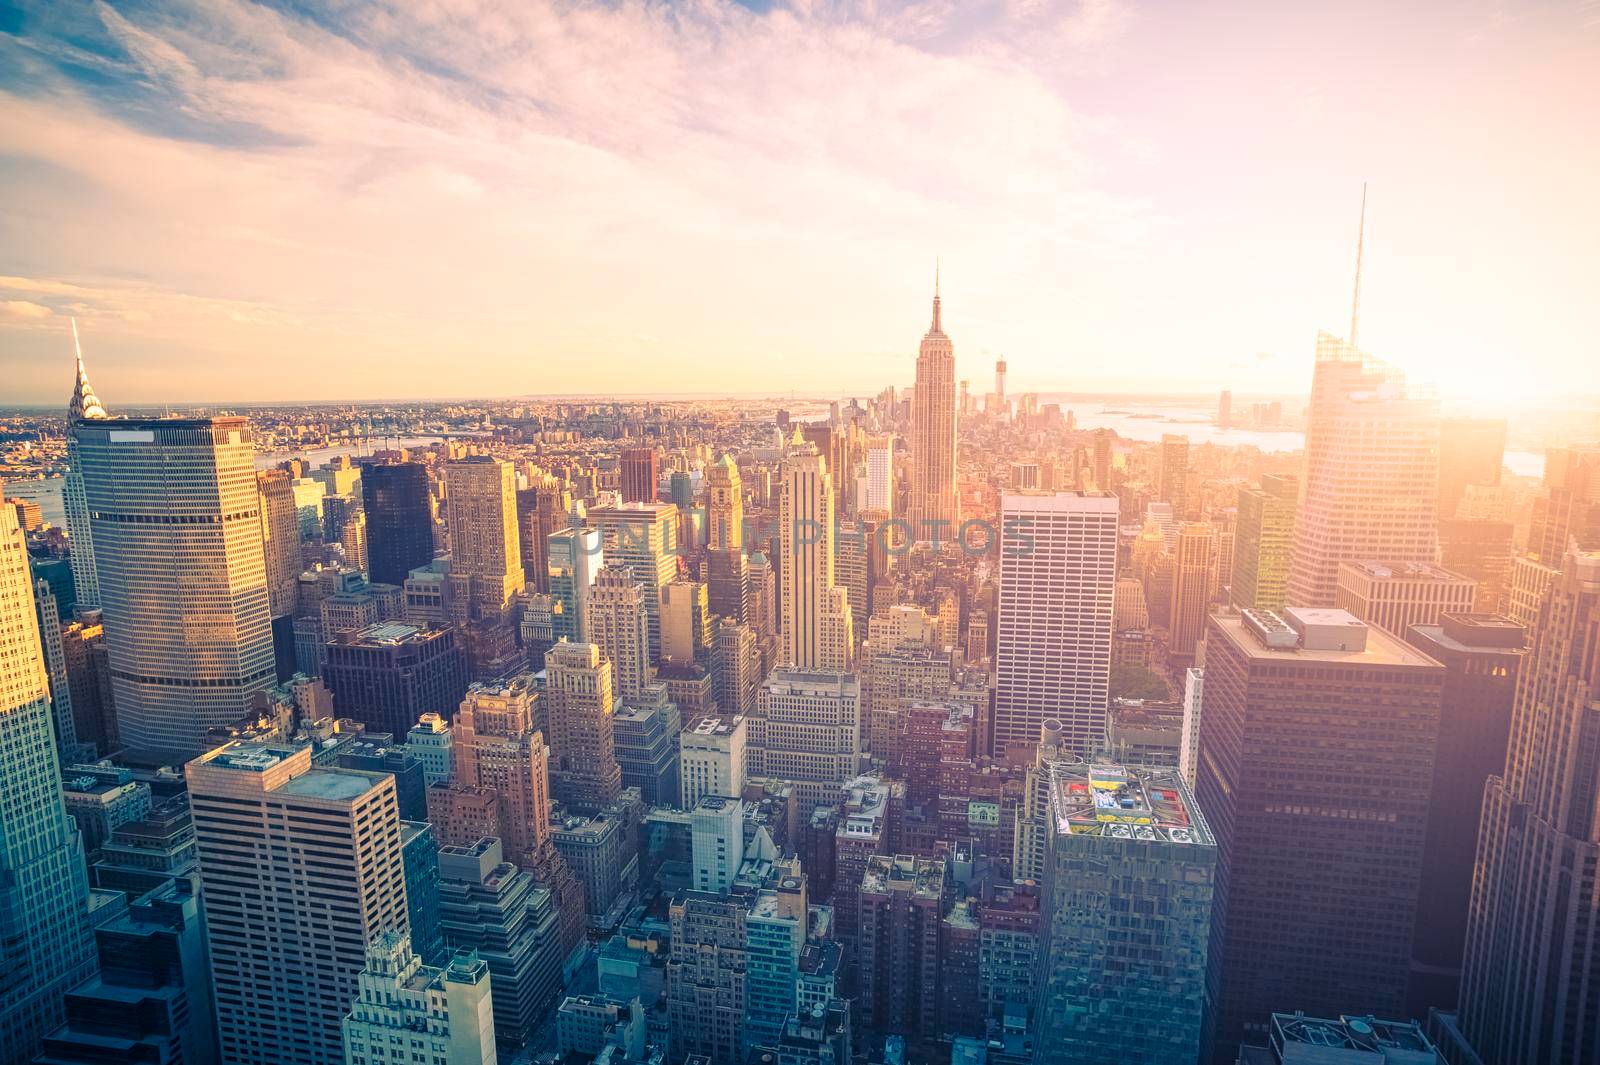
<point x="288" y="200"/>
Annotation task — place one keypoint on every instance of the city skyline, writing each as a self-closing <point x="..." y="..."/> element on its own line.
<point x="549" y="199"/>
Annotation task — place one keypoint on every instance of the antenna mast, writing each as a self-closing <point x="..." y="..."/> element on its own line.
<point x="1361" y="237"/>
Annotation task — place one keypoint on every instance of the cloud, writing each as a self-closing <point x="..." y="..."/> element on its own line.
<point x="24" y="309"/>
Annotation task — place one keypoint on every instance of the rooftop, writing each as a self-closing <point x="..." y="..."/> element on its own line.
<point x="1381" y="649"/>
<point x="1125" y="802"/>
<point x="922" y="878"/>
<point x="331" y="783"/>
<point x="1406" y="571"/>
<point x="1392" y="1042"/>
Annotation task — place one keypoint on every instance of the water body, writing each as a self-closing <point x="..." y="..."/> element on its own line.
<point x="320" y="456"/>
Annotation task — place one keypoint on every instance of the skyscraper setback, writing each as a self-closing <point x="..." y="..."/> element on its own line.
<point x="933" y="436"/>
<point x="175" y="514"/>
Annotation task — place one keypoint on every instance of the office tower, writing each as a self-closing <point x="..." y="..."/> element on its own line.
<point x="419" y="859"/>
<point x="646" y="743"/>
<point x="880" y="476"/>
<point x="830" y="444"/>
<point x="1263" y="538"/>
<point x="618" y="626"/>
<point x="727" y="570"/>
<point x="44" y="931"/>
<point x="177" y="532"/>
<point x="775" y="941"/>
<point x="1397" y="595"/>
<point x="712" y="759"/>
<point x="1193" y="561"/>
<point x="541" y="511"/>
<point x="807" y="731"/>
<point x="816" y="620"/>
<point x="901" y="913"/>
<point x="1569" y="506"/>
<point x="999" y="385"/>
<point x="101" y="799"/>
<point x="976" y="648"/>
<point x="490" y="907"/>
<point x="84" y="407"/>
<point x="575" y="557"/>
<point x="706" y="977"/>
<point x="1370" y="482"/>
<point x="1058" y="568"/>
<point x="716" y="834"/>
<point x="1296" y="1039"/>
<point x="301" y="869"/>
<point x="602" y="1028"/>
<point x="1531" y="580"/>
<point x="280" y="538"/>
<point x="1483" y="551"/>
<point x="643" y="536"/>
<point x="443" y="1014"/>
<point x="484" y="546"/>
<point x="94" y="714"/>
<point x="902" y="661"/>
<point x="1127" y="896"/>
<point x="399" y="520"/>
<point x="933" y="511"/>
<point x="640" y="471"/>
<point x="578" y="689"/>
<point x="857" y="562"/>
<point x="685" y="621"/>
<point x="430" y="740"/>
<point x="1173" y="486"/>
<point x="388" y="675"/>
<point x="735" y="667"/>
<point x="1482" y="655"/>
<point x="63" y="722"/>
<point x="763" y="595"/>
<point x="601" y="851"/>
<point x="1471" y="452"/>
<point x="1321" y="845"/>
<point x="1528" y="996"/>
<point x="1225" y="410"/>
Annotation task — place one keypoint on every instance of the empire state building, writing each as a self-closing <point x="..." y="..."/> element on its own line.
<point x="933" y="436"/>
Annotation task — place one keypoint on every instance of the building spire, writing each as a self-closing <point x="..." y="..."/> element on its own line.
<point x="85" y="405"/>
<point x="1361" y="236"/>
<point x="936" y="327"/>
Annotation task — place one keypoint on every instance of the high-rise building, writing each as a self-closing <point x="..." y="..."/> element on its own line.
<point x="484" y="545"/>
<point x="1321" y="844"/>
<point x="815" y="619"/>
<point x="1173" y="486"/>
<point x="44" y="923"/>
<point x="807" y="731"/>
<point x="442" y="1015"/>
<point x="933" y="513"/>
<point x="735" y="667"/>
<point x="176" y="524"/>
<point x="1483" y="551"/>
<point x="880" y="476"/>
<point x="1127" y="896"/>
<point x="1370" y="483"/>
<point x="685" y="622"/>
<point x="1482" y="655"/>
<point x="712" y="759"/>
<point x="1058" y="569"/>
<point x="901" y="914"/>
<point x="280" y="538"/>
<point x="1263" y="538"/>
<point x="1528" y="994"/>
<point x="575" y="557"/>
<point x="301" y="868"/>
<point x="1569" y="507"/>
<point x="716" y="839"/>
<point x="727" y="570"/>
<point x="646" y="742"/>
<point x="84" y="407"/>
<point x="1193" y="561"/>
<point x="584" y="774"/>
<point x="640" y="469"/>
<point x="1471" y="452"/>
<point x="644" y="537"/>
<point x="618" y="626"/>
<point x="1397" y="595"/>
<point x="775" y="942"/>
<point x="388" y="675"/>
<point x="399" y="520"/>
<point x="706" y="977"/>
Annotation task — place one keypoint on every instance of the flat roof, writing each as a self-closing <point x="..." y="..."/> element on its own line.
<point x="1412" y="571"/>
<point x="1382" y="649"/>
<point x="330" y="784"/>
<point x="1126" y="802"/>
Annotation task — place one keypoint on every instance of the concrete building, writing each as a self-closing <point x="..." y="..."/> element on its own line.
<point x="578" y="691"/>
<point x="1322" y="843"/>
<point x="932" y="510"/>
<point x="716" y="828"/>
<point x="735" y="667"/>
<point x="101" y="799"/>
<point x="685" y="622"/>
<point x="1058" y="569"/>
<point x="815" y="621"/>
<point x="1127" y="896"/>
<point x="485" y="550"/>
<point x="1194" y="560"/>
<point x="601" y="851"/>
<point x="1397" y="595"/>
<point x="807" y="731"/>
<point x="640" y="470"/>
<point x="575" y="558"/>
<point x="775" y="939"/>
<point x="646" y="739"/>
<point x="83" y="408"/>
<point x="901" y="914"/>
<point x="399" y="510"/>
<point x="1173" y="484"/>
<point x="443" y="1014"/>
<point x="182" y="575"/>
<point x="1370" y="483"/>
<point x="618" y="625"/>
<point x="644" y="537"/>
<point x="713" y="759"/>
<point x="388" y="675"/>
<point x="296" y="863"/>
<point x="706" y="977"/>
<point x="429" y="741"/>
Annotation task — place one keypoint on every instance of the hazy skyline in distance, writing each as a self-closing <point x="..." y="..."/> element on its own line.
<point x="298" y="201"/>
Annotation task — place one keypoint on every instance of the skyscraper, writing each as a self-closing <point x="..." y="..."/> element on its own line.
<point x="644" y="537"/>
<point x="806" y="731"/>
<point x="280" y="537"/>
<point x="1569" y="507"/>
<point x="1193" y="560"/>
<point x="388" y="675"/>
<point x="1397" y="595"/>
<point x="175" y="517"/>
<point x="727" y="571"/>
<point x="301" y="868"/>
<point x="399" y="520"/>
<point x="1263" y="538"/>
<point x="1528" y="993"/>
<point x="84" y="406"/>
<point x="44" y="924"/>
<point x="1471" y="452"/>
<point x="1058" y="571"/>
<point x="933" y="435"/>
<point x="815" y="621"/>
<point x="1174" y="484"/>
<point x="618" y="626"/>
<point x="1320" y="841"/>
<point x="585" y="774"/>
<point x="575" y="556"/>
<point x="484" y="546"/>
<point x="1371" y="472"/>
<point x="444" y="1011"/>
<point x="640" y="470"/>
<point x="880" y="476"/>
